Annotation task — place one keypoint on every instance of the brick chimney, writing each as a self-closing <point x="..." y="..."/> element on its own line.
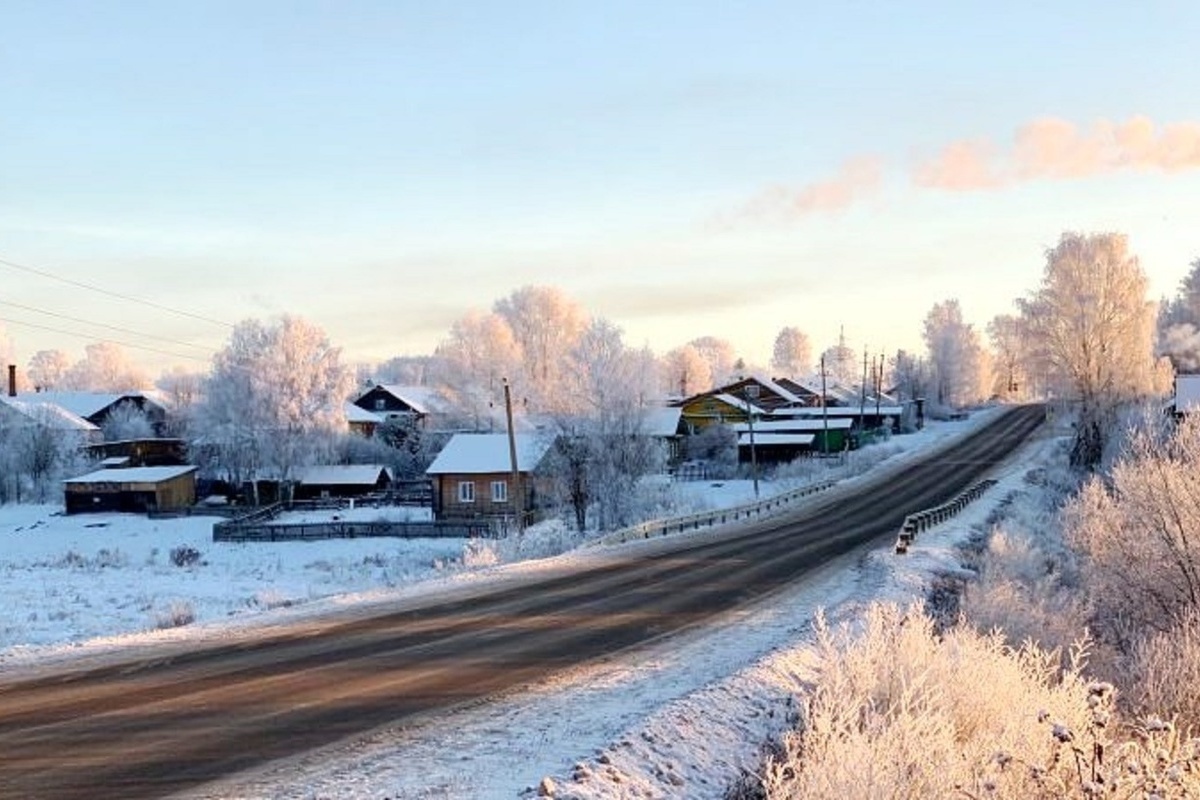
<point x="12" y="380"/>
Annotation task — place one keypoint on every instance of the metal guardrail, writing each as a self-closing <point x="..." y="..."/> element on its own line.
<point x="662" y="527"/>
<point x="924" y="520"/>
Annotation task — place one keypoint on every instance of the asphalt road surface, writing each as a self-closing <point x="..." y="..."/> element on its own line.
<point x="157" y="726"/>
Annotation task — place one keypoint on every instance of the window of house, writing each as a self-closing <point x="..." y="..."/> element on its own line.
<point x="380" y="403"/>
<point x="499" y="492"/>
<point x="466" y="491"/>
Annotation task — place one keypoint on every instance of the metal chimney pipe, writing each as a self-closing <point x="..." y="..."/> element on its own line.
<point x="12" y="380"/>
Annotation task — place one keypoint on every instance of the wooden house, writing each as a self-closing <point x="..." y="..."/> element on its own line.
<point x="136" y="489"/>
<point x="18" y="413"/>
<point x="421" y="404"/>
<point x="473" y="477"/>
<point x="362" y="422"/>
<point x="342" y="480"/>
<point x="97" y="407"/>
<point x="142" y="452"/>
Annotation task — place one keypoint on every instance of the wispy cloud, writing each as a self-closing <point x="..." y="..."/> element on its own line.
<point x="1048" y="148"/>
<point x="857" y="179"/>
<point x="1051" y="148"/>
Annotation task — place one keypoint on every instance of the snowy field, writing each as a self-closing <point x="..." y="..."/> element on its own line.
<point x="673" y="720"/>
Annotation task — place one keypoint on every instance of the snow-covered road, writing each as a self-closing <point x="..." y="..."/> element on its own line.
<point x="672" y="720"/>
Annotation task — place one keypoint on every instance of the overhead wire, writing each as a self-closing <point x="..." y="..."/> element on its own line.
<point x="104" y="325"/>
<point x="118" y="295"/>
<point x="190" y="357"/>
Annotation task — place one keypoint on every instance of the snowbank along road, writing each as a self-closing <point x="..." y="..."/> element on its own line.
<point x="154" y="726"/>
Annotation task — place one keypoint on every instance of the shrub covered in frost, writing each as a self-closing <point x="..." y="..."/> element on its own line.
<point x="901" y="712"/>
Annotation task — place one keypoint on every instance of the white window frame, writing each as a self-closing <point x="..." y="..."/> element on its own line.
<point x="499" y="491"/>
<point x="466" y="491"/>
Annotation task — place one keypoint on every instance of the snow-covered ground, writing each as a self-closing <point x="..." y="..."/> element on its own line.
<point x="676" y="719"/>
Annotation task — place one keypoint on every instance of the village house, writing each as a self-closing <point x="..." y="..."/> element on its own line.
<point x="473" y="477"/>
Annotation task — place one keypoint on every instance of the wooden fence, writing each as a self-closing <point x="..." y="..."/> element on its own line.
<point x="238" y="531"/>
<point x="259" y="526"/>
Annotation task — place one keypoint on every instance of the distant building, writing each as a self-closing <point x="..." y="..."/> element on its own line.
<point x="135" y="489"/>
<point x="341" y="480"/>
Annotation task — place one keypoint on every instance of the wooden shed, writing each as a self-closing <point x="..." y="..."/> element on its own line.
<point x="342" y="480"/>
<point x="138" y="489"/>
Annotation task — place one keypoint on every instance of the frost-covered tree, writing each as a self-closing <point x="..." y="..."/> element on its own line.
<point x="686" y="372"/>
<point x="470" y="365"/>
<point x="1139" y="531"/>
<point x="405" y="371"/>
<point x="47" y="368"/>
<point x="105" y="367"/>
<point x="604" y="450"/>
<point x="127" y="421"/>
<point x="792" y="354"/>
<point x="546" y="324"/>
<point x="1007" y="337"/>
<point x="955" y="355"/>
<point x="181" y="390"/>
<point x="1091" y="331"/>
<point x="35" y="456"/>
<point x="841" y="364"/>
<point x="1179" y="324"/>
<point x="274" y="400"/>
<point x="719" y="355"/>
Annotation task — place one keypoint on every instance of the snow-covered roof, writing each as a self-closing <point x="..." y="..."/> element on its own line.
<point x="868" y="410"/>
<point x="772" y="385"/>
<point x="770" y="439"/>
<point x="421" y="399"/>
<point x="341" y="474"/>
<point x="1187" y="393"/>
<point x="481" y="453"/>
<point x="49" y="414"/>
<point x="85" y="404"/>
<point x="662" y="421"/>
<point x="357" y="414"/>
<point x="739" y="403"/>
<point x="132" y="475"/>
<point x="796" y="425"/>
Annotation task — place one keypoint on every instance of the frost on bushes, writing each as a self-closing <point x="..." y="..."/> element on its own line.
<point x="898" y="711"/>
<point x="1166" y="672"/>
<point x="185" y="556"/>
<point x="175" y="615"/>
<point x="1138" y="533"/>
<point x="1028" y="580"/>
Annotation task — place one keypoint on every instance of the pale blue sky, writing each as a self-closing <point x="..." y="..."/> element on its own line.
<point x="381" y="168"/>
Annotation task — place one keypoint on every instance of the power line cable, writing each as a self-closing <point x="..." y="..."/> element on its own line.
<point x="116" y="328"/>
<point x="118" y="295"/>
<point x="191" y="357"/>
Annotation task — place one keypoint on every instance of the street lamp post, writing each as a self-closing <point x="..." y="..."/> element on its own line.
<point x="751" y="393"/>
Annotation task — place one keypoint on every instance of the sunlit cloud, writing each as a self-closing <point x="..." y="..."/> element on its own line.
<point x="961" y="166"/>
<point x="1051" y="148"/>
<point x="856" y="180"/>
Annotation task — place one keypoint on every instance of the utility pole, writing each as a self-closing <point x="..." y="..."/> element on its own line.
<point x="878" y="383"/>
<point x="824" y="409"/>
<point x="862" y="397"/>
<point x="751" y="393"/>
<point x="517" y="499"/>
